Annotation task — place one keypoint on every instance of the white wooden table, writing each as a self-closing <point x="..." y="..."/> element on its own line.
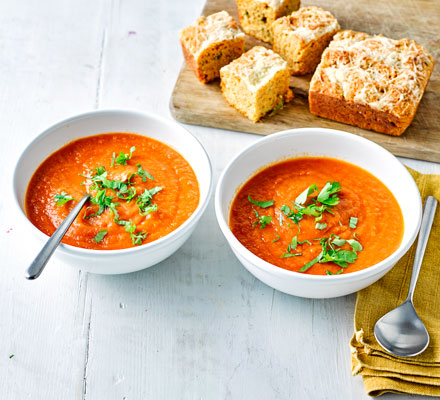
<point x="196" y="326"/>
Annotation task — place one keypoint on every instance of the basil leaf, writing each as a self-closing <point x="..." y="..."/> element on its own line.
<point x="262" y="204"/>
<point x="293" y="244"/>
<point x="143" y="174"/>
<point x="302" y="198"/>
<point x="123" y="158"/>
<point x="265" y="220"/>
<point x="334" y="273"/>
<point x="311" y="263"/>
<point x="286" y="255"/>
<point x="320" y="226"/>
<point x="99" y="236"/>
<point x="276" y="239"/>
<point x="62" y="198"/>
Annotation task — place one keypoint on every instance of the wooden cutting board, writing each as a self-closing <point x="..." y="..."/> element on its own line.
<point x="202" y="104"/>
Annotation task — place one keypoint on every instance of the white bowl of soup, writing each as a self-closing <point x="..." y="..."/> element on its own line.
<point x="317" y="213"/>
<point x="149" y="180"/>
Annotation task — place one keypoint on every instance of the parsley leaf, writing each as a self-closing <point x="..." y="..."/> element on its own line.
<point x="123" y="158"/>
<point x="328" y="190"/>
<point x="99" y="236"/>
<point x="62" y="198"/>
<point x="143" y="174"/>
<point x="262" y="204"/>
<point x="353" y="222"/>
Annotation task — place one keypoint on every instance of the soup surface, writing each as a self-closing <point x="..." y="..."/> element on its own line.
<point x="141" y="190"/>
<point x="317" y="216"/>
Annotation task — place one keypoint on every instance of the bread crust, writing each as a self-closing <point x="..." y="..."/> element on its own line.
<point x="357" y="114"/>
<point x="372" y="82"/>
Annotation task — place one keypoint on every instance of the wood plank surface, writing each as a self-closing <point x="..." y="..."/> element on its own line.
<point x="195" y="103"/>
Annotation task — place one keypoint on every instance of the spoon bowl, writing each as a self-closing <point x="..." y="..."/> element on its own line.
<point x="401" y="331"/>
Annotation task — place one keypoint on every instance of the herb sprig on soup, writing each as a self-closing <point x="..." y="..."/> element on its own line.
<point x="140" y="189"/>
<point x="317" y="216"/>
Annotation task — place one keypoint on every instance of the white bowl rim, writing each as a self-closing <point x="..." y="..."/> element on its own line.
<point x="273" y="269"/>
<point x="83" y="252"/>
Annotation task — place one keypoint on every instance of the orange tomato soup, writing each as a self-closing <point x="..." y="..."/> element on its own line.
<point x="363" y="227"/>
<point x="138" y="194"/>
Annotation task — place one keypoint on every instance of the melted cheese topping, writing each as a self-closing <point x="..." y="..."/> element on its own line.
<point x="388" y="75"/>
<point x="209" y="30"/>
<point x="256" y="67"/>
<point x="309" y="23"/>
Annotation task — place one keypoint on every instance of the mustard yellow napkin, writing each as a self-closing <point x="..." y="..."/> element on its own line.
<point x="383" y="372"/>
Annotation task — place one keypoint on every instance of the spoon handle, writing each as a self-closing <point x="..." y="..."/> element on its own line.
<point x="40" y="261"/>
<point x="425" y="229"/>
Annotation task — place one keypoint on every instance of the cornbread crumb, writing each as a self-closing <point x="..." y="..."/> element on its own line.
<point x="256" y="83"/>
<point x="210" y="43"/>
<point x="256" y="16"/>
<point x="370" y="81"/>
<point x="301" y="37"/>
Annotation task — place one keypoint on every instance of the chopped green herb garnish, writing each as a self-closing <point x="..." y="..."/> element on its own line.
<point x="338" y="241"/>
<point x="339" y="256"/>
<point x="276" y="239"/>
<point x="262" y="220"/>
<point x="326" y="197"/>
<point x="311" y="263"/>
<point x="144" y="200"/>
<point x="102" y="201"/>
<point x="11" y="356"/>
<point x="340" y="223"/>
<point x="327" y="194"/>
<point x="280" y="219"/>
<point x="355" y="245"/>
<point x="353" y="222"/>
<point x="320" y="226"/>
<point x="113" y="160"/>
<point x="286" y="255"/>
<point x="123" y="158"/>
<point x="137" y="238"/>
<point x="99" y="236"/>
<point x="304" y="241"/>
<point x="302" y="198"/>
<point x="143" y="174"/>
<point x="62" y="198"/>
<point x="293" y="244"/>
<point x="147" y="210"/>
<point x="262" y="204"/>
<point x="334" y="273"/>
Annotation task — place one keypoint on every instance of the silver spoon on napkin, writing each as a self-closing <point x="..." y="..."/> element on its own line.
<point x="401" y="331"/>
<point x="37" y="266"/>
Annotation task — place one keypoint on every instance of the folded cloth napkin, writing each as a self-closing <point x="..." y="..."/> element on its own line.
<point x="381" y="371"/>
